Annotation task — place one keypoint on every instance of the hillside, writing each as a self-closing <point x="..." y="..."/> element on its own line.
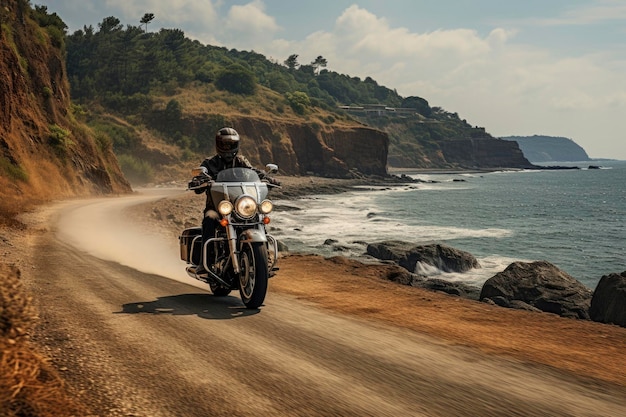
<point x="46" y="152"/>
<point x="163" y="90"/>
<point x="539" y="148"/>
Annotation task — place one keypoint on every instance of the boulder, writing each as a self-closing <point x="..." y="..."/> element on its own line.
<point x="408" y="256"/>
<point x="608" y="304"/>
<point x="449" y="287"/>
<point x="540" y="285"/>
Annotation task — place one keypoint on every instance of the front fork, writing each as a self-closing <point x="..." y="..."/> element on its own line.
<point x="247" y="236"/>
<point x="231" y="235"/>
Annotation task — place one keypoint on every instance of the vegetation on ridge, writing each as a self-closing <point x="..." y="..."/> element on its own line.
<point x="154" y="78"/>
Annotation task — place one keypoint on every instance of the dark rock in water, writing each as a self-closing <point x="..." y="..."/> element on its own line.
<point x="402" y="276"/>
<point x="445" y="258"/>
<point x="593" y="167"/>
<point x="453" y="288"/>
<point x="540" y="285"/>
<point x="330" y="242"/>
<point x="406" y="255"/>
<point x="608" y="304"/>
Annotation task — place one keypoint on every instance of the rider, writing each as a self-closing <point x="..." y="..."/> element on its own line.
<point x="227" y="148"/>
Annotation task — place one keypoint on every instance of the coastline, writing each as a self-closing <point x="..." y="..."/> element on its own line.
<point x="583" y="348"/>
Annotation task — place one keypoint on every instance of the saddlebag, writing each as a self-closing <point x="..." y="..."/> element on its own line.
<point x="190" y="245"/>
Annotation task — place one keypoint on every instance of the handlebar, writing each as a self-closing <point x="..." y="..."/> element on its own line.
<point x="201" y="182"/>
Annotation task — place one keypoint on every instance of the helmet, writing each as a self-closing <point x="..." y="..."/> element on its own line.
<point x="227" y="143"/>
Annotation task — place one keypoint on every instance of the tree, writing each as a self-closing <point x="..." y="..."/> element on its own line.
<point x="299" y="101"/>
<point x="236" y="79"/>
<point x="418" y="104"/>
<point x="110" y="24"/>
<point x="292" y="62"/>
<point x="320" y="62"/>
<point x="147" y="18"/>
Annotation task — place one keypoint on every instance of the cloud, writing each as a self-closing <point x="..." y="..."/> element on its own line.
<point x="598" y="12"/>
<point x="248" y="25"/>
<point x="251" y="18"/>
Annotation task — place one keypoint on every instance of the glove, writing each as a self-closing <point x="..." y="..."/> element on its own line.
<point x="273" y="181"/>
<point x="196" y="184"/>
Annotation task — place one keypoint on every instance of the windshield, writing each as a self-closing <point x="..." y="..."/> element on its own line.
<point x="237" y="175"/>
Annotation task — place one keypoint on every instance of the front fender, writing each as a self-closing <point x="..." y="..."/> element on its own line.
<point x="252" y="235"/>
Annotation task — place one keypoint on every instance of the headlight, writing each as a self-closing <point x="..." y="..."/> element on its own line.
<point x="245" y="207"/>
<point x="225" y="208"/>
<point x="266" y="206"/>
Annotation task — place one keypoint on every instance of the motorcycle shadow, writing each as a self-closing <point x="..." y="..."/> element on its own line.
<point x="205" y="306"/>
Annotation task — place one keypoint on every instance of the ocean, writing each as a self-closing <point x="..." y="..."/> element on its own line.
<point x="574" y="219"/>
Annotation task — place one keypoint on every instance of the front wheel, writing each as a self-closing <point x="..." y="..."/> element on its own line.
<point x="253" y="275"/>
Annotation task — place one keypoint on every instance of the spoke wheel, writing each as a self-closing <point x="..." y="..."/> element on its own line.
<point x="253" y="275"/>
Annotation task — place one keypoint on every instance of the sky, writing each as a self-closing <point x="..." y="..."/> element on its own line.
<point x="516" y="68"/>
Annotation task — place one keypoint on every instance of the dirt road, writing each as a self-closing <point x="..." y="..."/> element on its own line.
<point x="135" y="336"/>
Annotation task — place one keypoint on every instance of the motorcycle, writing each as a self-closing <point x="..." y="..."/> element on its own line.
<point x="241" y="255"/>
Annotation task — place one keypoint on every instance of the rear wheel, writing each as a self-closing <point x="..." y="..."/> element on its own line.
<point x="253" y="275"/>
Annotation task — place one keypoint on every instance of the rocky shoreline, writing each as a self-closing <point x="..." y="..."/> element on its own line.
<point x="536" y="286"/>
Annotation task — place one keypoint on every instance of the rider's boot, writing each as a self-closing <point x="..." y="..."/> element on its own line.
<point x="200" y="270"/>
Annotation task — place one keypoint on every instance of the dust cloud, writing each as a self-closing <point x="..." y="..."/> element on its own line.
<point x="100" y="227"/>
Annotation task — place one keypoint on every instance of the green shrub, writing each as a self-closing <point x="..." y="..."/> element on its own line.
<point x="47" y="92"/>
<point x="329" y="120"/>
<point x="12" y="171"/>
<point x="104" y="142"/>
<point x="59" y="137"/>
<point x="124" y="138"/>
<point x="56" y="36"/>
<point x="188" y="155"/>
<point x="299" y="101"/>
<point x="135" y="170"/>
<point x="136" y="103"/>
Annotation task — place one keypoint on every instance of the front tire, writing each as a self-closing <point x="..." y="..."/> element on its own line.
<point x="253" y="275"/>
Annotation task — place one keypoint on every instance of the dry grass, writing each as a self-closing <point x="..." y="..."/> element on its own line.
<point x="201" y="99"/>
<point x="29" y="385"/>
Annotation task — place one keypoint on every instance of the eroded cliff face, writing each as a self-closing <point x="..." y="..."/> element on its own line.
<point x="304" y="149"/>
<point x="44" y="152"/>
<point x="484" y="153"/>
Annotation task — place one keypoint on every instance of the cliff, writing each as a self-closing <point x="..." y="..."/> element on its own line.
<point x="549" y="148"/>
<point x="45" y="153"/>
<point x="445" y="141"/>
<point x="483" y="153"/>
<point x="301" y="148"/>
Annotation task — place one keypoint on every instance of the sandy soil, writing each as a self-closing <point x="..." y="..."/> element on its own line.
<point x="584" y="348"/>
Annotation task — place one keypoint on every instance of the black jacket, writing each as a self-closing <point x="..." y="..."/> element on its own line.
<point x="216" y="164"/>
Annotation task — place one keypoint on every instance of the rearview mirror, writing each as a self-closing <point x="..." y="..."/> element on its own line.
<point x="199" y="171"/>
